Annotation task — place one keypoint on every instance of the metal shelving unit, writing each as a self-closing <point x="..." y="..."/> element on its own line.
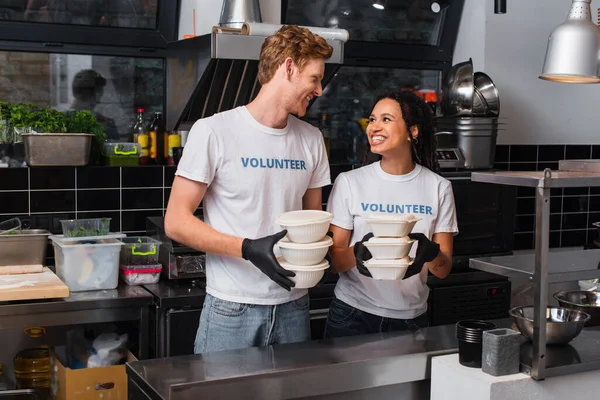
<point x="549" y="267"/>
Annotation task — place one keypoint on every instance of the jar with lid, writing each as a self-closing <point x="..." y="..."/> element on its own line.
<point x="32" y="368"/>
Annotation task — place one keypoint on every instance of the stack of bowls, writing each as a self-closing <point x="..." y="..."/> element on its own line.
<point x="390" y="245"/>
<point x="304" y="249"/>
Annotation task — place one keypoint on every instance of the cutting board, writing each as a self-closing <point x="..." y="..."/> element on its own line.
<point x="21" y="269"/>
<point x="42" y="285"/>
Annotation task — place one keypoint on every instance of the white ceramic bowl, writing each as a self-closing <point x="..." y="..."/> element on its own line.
<point x="306" y="276"/>
<point x="305" y="226"/>
<point x="388" y="270"/>
<point x="391" y="225"/>
<point x="304" y="253"/>
<point x="384" y="248"/>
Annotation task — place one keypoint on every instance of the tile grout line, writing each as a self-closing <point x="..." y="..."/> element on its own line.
<point x="120" y="199"/>
<point x="29" y="191"/>
<point x="75" y="193"/>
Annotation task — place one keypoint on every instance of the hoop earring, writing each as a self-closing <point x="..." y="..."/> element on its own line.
<point x="416" y="140"/>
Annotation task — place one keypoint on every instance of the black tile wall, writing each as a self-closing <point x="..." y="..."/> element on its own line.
<point x="42" y="196"/>
<point x="572" y="210"/>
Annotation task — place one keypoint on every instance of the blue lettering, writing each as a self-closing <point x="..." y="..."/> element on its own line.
<point x="245" y="162"/>
<point x="415" y="208"/>
<point x="279" y="164"/>
<point x="292" y="164"/>
<point x="428" y="210"/>
<point x="270" y="163"/>
<point x="408" y="206"/>
<point x="381" y="208"/>
<point x="262" y="163"/>
<point x="254" y="163"/>
<point x="287" y="164"/>
<point x="422" y="209"/>
<point x="399" y="209"/>
<point x="390" y="208"/>
<point x="373" y="207"/>
<point x="297" y="164"/>
<point x="302" y="165"/>
<point x="364" y="206"/>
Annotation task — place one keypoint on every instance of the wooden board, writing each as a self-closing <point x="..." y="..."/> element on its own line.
<point x="21" y="269"/>
<point x="43" y="285"/>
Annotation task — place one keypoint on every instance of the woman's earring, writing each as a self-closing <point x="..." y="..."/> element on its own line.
<point x="416" y="140"/>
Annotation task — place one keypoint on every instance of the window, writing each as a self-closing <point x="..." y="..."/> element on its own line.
<point x="349" y="97"/>
<point x="111" y="87"/>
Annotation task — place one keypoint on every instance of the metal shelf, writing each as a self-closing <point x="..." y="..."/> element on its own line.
<point x="556" y="179"/>
<point x="563" y="266"/>
<point x="581" y="355"/>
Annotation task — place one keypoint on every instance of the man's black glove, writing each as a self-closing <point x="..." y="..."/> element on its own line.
<point x="426" y="251"/>
<point x="260" y="253"/>
<point x="361" y="253"/>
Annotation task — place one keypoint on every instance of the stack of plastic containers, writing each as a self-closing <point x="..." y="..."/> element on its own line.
<point x="139" y="260"/>
<point x="390" y="245"/>
<point x="87" y="254"/>
<point x="306" y="245"/>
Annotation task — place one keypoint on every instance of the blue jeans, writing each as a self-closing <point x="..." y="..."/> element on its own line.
<point x="225" y="325"/>
<point x="345" y="320"/>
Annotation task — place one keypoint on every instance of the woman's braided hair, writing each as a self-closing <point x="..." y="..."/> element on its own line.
<point x="415" y="112"/>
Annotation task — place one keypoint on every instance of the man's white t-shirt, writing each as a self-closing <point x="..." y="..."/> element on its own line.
<point x="254" y="173"/>
<point x="368" y="190"/>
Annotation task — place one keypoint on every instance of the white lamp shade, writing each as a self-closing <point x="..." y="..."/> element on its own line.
<point x="573" y="48"/>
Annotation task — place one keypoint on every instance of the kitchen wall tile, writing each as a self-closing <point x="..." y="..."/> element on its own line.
<point x="578" y="152"/>
<point x="13" y="178"/>
<point x="551" y="152"/>
<point x="595" y="152"/>
<point x="592" y="235"/>
<point x="166" y="194"/>
<point x="146" y="176"/>
<point x="169" y="175"/>
<point x="575" y="204"/>
<point x="555" y="205"/>
<point x="594" y="203"/>
<point x="594" y="217"/>
<point x="325" y="193"/>
<point x="501" y="166"/>
<point x="502" y="153"/>
<point x="576" y="191"/>
<point x="556" y="192"/>
<point x="574" y="221"/>
<point x="98" y="177"/>
<point x="525" y="206"/>
<point x="555" y="222"/>
<point x="523" y="241"/>
<point x="594" y="190"/>
<point x="554" y="239"/>
<point x="52" y="178"/>
<point x="523" y="191"/>
<point x="525" y="223"/>
<point x="13" y="202"/>
<point x="136" y="220"/>
<point x="573" y="238"/>
<point x="519" y="153"/>
<point x="543" y="165"/>
<point x="51" y="201"/>
<point x="51" y="222"/>
<point x="522" y="166"/>
<point x="115" y="218"/>
<point x="142" y="198"/>
<point x="89" y="200"/>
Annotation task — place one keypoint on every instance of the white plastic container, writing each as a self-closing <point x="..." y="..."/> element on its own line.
<point x="306" y="276"/>
<point x="87" y="265"/>
<point x="305" y="226"/>
<point x="140" y="274"/>
<point x="384" y="248"/>
<point x="304" y="253"/>
<point x="391" y="225"/>
<point x="388" y="270"/>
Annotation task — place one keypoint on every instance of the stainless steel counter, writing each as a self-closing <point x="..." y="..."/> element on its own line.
<point x="317" y="369"/>
<point x="126" y="303"/>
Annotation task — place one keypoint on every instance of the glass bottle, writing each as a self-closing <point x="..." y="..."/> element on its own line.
<point x="140" y="135"/>
<point x="157" y="143"/>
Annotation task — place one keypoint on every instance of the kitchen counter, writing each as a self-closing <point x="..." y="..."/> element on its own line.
<point x="125" y="303"/>
<point x="316" y="369"/>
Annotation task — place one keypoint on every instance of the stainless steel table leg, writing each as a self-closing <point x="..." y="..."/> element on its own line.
<point x="144" y="333"/>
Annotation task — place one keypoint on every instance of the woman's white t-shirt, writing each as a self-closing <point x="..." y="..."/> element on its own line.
<point x="368" y="190"/>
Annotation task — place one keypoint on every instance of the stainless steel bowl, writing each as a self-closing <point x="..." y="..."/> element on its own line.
<point x="458" y="90"/>
<point x="588" y="302"/>
<point x="562" y="324"/>
<point x="486" y="91"/>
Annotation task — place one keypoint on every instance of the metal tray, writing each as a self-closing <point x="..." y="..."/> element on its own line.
<point x="57" y="149"/>
<point x="26" y="248"/>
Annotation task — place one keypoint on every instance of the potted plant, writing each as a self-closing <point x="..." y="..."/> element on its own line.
<point x="54" y="138"/>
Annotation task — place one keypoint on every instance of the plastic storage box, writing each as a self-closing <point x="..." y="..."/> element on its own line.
<point x="87" y="265"/>
<point x="140" y="250"/>
<point x="85" y="227"/>
<point x="140" y="274"/>
<point x="119" y="154"/>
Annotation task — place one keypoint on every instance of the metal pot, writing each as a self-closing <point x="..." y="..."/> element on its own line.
<point x="478" y="147"/>
<point x="488" y="93"/>
<point x="458" y="90"/>
<point x="588" y="302"/>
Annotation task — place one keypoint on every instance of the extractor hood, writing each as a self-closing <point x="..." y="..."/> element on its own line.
<point x="218" y="71"/>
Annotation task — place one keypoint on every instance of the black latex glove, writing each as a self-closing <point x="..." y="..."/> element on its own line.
<point x="426" y="251"/>
<point x="260" y="253"/>
<point x="361" y="253"/>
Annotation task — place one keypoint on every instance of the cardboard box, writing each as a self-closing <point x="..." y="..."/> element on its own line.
<point x="87" y="383"/>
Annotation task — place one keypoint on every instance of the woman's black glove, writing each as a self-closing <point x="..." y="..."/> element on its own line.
<point x="260" y="253"/>
<point x="361" y="253"/>
<point x="426" y="251"/>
